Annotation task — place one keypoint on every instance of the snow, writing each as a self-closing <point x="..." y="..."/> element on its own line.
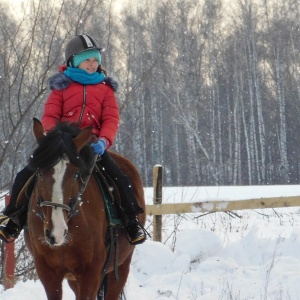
<point x="251" y="254"/>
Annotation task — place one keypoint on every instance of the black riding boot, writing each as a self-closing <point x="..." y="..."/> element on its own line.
<point x="129" y="205"/>
<point x="16" y="212"/>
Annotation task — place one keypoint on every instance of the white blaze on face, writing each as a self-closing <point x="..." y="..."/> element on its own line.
<point x="58" y="221"/>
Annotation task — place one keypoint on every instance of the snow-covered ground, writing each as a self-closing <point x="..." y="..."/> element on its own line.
<point x="251" y="254"/>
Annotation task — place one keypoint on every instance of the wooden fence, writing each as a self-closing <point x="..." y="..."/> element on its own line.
<point x="157" y="209"/>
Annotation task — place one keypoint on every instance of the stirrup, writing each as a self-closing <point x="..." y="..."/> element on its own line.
<point x="5" y="237"/>
<point x="139" y="240"/>
<point x="140" y="233"/>
<point x="4" y="219"/>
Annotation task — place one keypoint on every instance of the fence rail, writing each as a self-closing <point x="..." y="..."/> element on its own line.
<point x="219" y="206"/>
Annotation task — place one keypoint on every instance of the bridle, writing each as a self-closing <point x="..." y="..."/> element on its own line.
<point x="71" y="208"/>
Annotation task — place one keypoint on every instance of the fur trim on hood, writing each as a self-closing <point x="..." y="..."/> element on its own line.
<point x="60" y="82"/>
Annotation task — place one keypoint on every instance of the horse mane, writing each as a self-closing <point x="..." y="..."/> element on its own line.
<point x="58" y="144"/>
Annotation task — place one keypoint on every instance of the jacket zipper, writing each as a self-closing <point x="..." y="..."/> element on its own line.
<point x="83" y="105"/>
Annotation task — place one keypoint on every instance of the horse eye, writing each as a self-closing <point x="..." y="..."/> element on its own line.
<point x="76" y="175"/>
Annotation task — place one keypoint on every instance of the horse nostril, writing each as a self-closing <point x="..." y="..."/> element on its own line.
<point x="65" y="232"/>
<point x="47" y="233"/>
<point x="49" y="237"/>
<point x="52" y="240"/>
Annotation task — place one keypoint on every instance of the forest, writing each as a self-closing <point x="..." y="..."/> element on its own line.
<point x="209" y="89"/>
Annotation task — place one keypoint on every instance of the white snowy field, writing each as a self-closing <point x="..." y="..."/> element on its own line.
<point x="251" y="254"/>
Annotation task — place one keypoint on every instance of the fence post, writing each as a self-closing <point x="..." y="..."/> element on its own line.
<point x="157" y="199"/>
<point x="9" y="260"/>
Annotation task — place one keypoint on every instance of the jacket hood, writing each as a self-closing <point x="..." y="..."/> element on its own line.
<point x="59" y="82"/>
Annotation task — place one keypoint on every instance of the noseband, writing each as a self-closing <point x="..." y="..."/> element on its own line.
<point x="55" y="205"/>
<point x="71" y="209"/>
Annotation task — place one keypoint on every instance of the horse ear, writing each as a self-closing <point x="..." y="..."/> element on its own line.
<point x="38" y="129"/>
<point x="83" y="138"/>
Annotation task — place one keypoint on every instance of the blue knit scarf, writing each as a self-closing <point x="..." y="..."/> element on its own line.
<point x="83" y="77"/>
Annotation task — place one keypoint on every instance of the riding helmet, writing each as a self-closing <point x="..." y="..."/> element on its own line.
<point x="78" y="44"/>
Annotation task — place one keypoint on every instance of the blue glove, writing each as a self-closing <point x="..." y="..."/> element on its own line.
<point x="99" y="147"/>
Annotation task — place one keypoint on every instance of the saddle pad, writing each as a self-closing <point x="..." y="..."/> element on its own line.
<point x="113" y="214"/>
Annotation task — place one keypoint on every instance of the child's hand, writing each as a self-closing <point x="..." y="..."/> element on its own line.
<point x="99" y="147"/>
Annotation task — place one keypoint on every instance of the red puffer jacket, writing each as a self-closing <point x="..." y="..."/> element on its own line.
<point x="87" y="105"/>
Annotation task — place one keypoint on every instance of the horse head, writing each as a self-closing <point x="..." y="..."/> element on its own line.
<point x="62" y="161"/>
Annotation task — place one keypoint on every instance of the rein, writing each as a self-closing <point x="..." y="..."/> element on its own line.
<point x="84" y="183"/>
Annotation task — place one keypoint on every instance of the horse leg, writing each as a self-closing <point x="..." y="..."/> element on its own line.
<point x="88" y="284"/>
<point x="51" y="281"/>
<point x="74" y="286"/>
<point x="114" y="287"/>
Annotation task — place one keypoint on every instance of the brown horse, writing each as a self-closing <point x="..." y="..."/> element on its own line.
<point x="67" y="222"/>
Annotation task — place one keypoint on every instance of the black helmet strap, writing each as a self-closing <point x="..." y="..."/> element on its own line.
<point x="70" y="62"/>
